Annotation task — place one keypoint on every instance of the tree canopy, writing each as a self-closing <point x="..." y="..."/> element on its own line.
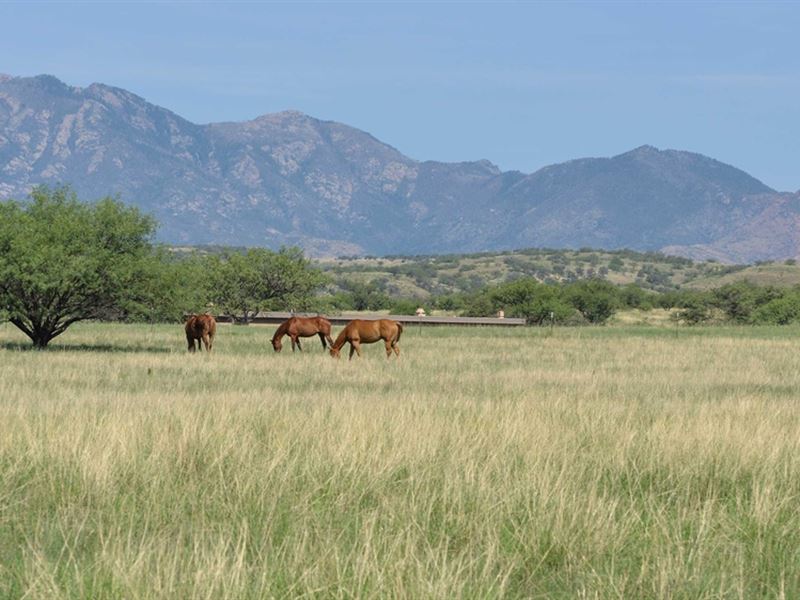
<point x="63" y="261"/>
<point x="243" y="283"/>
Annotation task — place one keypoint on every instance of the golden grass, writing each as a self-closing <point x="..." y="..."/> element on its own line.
<point x="596" y="463"/>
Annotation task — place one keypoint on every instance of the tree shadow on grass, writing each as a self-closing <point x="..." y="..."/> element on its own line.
<point x="56" y="347"/>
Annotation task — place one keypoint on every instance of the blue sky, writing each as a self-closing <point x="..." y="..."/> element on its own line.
<point x="522" y="84"/>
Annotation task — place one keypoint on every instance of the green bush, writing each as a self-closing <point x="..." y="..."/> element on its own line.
<point x="694" y="310"/>
<point x="780" y="311"/>
<point x="616" y="264"/>
<point x="595" y="299"/>
<point x="536" y="302"/>
<point x="405" y="306"/>
<point x="633" y="296"/>
<point x="479" y="305"/>
<point x="449" y="302"/>
<point x="361" y="296"/>
<point x="739" y="300"/>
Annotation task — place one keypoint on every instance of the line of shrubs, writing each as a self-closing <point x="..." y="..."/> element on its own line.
<point x="741" y="302"/>
<point x="596" y="300"/>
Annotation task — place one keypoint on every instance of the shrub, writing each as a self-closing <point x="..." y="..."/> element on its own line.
<point x="633" y="296"/>
<point x="780" y="311"/>
<point x="535" y="302"/>
<point x="595" y="299"/>
<point x="739" y="300"/>
<point x="404" y="306"/>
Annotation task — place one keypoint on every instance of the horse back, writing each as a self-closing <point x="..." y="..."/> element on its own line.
<point x="199" y="325"/>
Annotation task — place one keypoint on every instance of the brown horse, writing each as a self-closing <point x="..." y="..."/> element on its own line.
<point x="298" y="327"/>
<point x="200" y="327"/>
<point x="358" y="332"/>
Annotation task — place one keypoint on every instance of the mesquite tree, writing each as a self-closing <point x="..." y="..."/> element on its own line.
<point x="243" y="283"/>
<point x="63" y="261"/>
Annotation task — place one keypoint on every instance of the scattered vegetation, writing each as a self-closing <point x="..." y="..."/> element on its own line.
<point x="63" y="261"/>
<point x="424" y="276"/>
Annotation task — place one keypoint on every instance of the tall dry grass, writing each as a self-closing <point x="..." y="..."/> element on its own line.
<point x="594" y="463"/>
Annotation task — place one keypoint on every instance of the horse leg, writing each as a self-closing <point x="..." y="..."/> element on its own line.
<point x="210" y="342"/>
<point x="205" y="342"/>
<point x="355" y="346"/>
<point x="298" y="344"/>
<point x="322" y="339"/>
<point x="190" y="341"/>
<point x="294" y="341"/>
<point x="330" y="340"/>
<point x="388" y="348"/>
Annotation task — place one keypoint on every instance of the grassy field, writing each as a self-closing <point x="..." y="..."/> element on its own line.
<point x="617" y="462"/>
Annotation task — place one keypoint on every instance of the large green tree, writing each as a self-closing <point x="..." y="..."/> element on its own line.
<point x="63" y="261"/>
<point x="243" y="283"/>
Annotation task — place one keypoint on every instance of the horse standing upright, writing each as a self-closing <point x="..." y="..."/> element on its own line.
<point x="297" y="327"/>
<point x="367" y="332"/>
<point x="200" y="327"/>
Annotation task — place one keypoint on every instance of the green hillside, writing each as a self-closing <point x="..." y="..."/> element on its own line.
<point x="422" y="276"/>
<point x="426" y="275"/>
<point x="776" y="274"/>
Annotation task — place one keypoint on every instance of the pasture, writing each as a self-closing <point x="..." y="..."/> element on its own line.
<point x="616" y="462"/>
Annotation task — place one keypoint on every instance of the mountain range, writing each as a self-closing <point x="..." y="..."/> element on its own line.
<point x="288" y="178"/>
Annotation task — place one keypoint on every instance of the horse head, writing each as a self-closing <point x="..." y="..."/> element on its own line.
<point x="277" y="345"/>
<point x="335" y="352"/>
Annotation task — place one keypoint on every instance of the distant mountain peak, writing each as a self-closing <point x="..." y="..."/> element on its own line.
<point x="648" y="152"/>
<point x="284" y="116"/>
<point x="290" y="178"/>
<point x="51" y="81"/>
<point x="488" y="165"/>
<point x="644" y="149"/>
<point x="291" y="113"/>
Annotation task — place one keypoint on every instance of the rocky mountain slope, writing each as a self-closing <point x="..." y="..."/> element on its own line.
<point x="288" y="178"/>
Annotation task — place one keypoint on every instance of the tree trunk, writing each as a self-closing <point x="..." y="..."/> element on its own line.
<point x="39" y="335"/>
<point x="41" y="339"/>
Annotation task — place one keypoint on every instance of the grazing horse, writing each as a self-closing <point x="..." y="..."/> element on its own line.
<point x="298" y="327"/>
<point x="200" y="327"/>
<point x="358" y="332"/>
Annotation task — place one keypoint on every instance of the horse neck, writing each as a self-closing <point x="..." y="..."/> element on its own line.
<point x="281" y="331"/>
<point x="341" y="339"/>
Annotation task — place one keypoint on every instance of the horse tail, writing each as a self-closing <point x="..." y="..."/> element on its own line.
<point x="399" y="331"/>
